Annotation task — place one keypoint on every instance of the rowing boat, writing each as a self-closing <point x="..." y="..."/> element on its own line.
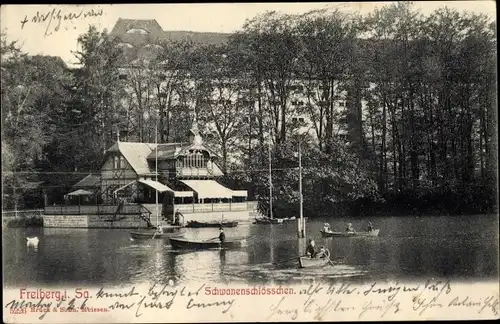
<point x="196" y="224"/>
<point x="267" y="221"/>
<point x="168" y="231"/>
<point x="152" y="235"/>
<point x="349" y="234"/>
<point x="307" y="262"/>
<point x="184" y="244"/>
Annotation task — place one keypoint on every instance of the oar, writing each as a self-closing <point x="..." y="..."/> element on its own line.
<point x="337" y="258"/>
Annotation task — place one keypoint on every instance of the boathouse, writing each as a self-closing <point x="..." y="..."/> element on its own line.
<point x="185" y="175"/>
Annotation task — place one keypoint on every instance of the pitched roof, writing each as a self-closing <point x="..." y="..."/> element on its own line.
<point x="173" y="150"/>
<point x="168" y="150"/>
<point x="155" y="33"/>
<point x="198" y="147"/>
<point x="90" y="180"/>
<point x="136" y="154"/>
<point x="122" y="26"/>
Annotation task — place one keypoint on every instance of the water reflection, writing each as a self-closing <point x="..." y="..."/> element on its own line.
<point x="460" y="247"/>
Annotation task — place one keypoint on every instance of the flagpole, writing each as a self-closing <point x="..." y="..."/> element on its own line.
<point x="270" y="185"/>
<point x="302" y="223"/>
<point x="156" y="170"/>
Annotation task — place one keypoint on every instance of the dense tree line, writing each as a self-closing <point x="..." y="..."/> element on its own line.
<point x="420" y="96"/>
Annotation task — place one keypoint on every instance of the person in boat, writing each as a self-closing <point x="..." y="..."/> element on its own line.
<point x="177" y="217"/>
<point x="222" y="236"/>
<point x="327" y="228"/>
<point x="322" y="253"/>
<point x="370" y="227"/>
<point x="310" y="250"/>
<point x="350" y="229"/>
<point x="159" y="230"/>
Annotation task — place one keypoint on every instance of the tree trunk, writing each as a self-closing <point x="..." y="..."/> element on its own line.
<point x="384" y="144"/>
<point x="224" y="154"/>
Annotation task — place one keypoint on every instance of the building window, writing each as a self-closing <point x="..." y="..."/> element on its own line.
<point x="123" y="163"/>
<point x="341" y="103"/>
<point x="116" y="162"/>
<point x="123" y="77"/>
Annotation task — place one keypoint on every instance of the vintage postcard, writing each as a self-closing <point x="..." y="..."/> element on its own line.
<point x="186" y="163"/>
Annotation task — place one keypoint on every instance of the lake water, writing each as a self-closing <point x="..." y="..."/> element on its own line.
<point x="411" y="248"/>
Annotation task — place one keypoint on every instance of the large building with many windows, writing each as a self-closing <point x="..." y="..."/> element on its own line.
<point x="141" y="41"/>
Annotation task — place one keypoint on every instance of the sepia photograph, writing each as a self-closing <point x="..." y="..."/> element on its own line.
<point x="183" y="163"/>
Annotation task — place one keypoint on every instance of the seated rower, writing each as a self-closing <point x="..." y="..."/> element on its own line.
<point x="370" y="227"/>
<point x="310" y="250"/>
<point x="327" y="228"/>
<point x="159" y="230"/>
<point x="350" y="229"/>
<point x="322" y="253"/>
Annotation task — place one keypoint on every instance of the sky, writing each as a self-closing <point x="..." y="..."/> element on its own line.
<point x="51" y="38"/>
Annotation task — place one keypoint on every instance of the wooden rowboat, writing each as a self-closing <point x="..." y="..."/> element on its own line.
<point x="184" y="244"/>
<point x="150" y="235"/>
<point x="196" y="224"/>
<point x="168" y="231"/>
<point x="349" y="234"/>
<point x="307" y="262"/>
<point x="267" y="221"/>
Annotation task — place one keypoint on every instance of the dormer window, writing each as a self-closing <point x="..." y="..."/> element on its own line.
<point x="140" y="31"/>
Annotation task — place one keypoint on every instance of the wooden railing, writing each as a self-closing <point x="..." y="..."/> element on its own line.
<point x="194" y="172"/>
<point x="200" y="208"/>
<point x="22" y="213"/>
<point x="138" y="209"/>
<point x="92" y="210"/>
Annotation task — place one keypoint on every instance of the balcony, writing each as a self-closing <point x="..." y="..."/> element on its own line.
<point x="194" y="172"/>
<point x="219" y="207"/>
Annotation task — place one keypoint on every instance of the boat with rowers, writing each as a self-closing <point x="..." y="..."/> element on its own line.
<point x="267" y="220"/>
<point x="185" y="244"/>
<point x="320" y="260"/>
<point x="373" y="232"/>
<point x="307" y="262"/>
<point x="166" y="232"/>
